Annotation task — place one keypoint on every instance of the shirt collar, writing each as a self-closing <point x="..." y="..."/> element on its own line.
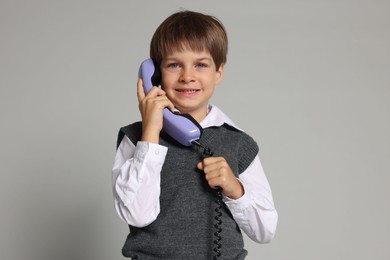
<point x="216" y="117"/>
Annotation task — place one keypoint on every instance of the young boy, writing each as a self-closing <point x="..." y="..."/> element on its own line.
<point x="165" y="191"/>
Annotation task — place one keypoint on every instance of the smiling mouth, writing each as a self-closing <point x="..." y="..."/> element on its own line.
<point x="187" y="90"/>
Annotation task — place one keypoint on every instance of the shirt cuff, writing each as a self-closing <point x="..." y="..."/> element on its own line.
<point x="146" y="150"/>
<point x="238" y="205"/>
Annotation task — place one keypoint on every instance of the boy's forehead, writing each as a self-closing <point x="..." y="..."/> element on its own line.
<point x="183" y="50"/>
<point x="186" y="47"/>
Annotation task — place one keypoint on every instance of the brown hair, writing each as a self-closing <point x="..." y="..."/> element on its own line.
<point x="187" y="29"/>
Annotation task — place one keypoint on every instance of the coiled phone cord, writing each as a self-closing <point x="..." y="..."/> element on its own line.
<point x="218" y="210"/>
<point x="217" y="225"/>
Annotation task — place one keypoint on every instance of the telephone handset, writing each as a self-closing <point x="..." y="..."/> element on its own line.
<point x="185" y="130"/>
<point x="181" y="127"/>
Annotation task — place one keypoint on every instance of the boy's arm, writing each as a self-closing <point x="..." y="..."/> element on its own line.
<point x="151" y="106"/>
<point x="136" y="171"/>
<point x="255" y="212"/>
<point x="136" y="181"/>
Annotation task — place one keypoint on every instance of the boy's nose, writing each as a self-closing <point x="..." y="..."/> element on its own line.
<point x="187" y="76"/>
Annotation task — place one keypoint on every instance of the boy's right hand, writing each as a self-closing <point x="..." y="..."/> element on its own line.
<point x="151" y="107"/>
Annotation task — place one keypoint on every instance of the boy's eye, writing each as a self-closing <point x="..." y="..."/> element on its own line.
<point x="201" y="65"/>
<point x="173" y="65"/>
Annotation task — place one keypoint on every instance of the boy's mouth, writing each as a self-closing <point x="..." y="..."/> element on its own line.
<point x="187" y="91"/>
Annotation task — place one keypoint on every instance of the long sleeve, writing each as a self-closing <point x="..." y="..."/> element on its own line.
<point x="255" y="212"/>
<point x="136" y="181"/>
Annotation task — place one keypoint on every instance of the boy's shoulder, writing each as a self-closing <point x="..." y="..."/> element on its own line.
<point x="231" y="131"/>
<point x="238" y="147"/>
<point x="132" y="131"/>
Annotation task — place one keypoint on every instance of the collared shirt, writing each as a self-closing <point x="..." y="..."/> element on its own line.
<point x="136" y="186"/>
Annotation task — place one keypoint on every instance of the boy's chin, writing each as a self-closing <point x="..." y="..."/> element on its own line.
<point x="194" y="112"/>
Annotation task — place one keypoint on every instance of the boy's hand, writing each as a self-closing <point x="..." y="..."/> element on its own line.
<point x="151" y="107"/>
<point x="219" y="174"/>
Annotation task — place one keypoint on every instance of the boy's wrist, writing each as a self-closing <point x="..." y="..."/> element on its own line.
<point x="237" y="193"/>
<point x="151" y="137"/>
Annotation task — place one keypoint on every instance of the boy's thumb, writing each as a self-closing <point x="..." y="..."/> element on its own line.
<point x="200" y="165"/>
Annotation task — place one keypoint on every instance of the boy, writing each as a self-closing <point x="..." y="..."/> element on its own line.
<point x="164" y="191"/>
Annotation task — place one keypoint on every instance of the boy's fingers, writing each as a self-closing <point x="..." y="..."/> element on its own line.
<point x="140" y="90"/>
<point x="158" y="92"/>
<point x="212" y="161"/>
<point x="171" y="106"/>
<point x="155" y="91"/>
<point x="200" y="165"/>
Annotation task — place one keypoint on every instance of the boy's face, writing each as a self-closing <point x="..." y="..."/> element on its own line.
<point x="189" y="79"/>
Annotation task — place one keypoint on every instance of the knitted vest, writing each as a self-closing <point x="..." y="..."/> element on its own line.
<point x="184" y="228"/>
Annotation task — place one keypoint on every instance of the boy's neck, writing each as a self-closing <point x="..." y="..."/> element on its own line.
<point x="198" y="115"/>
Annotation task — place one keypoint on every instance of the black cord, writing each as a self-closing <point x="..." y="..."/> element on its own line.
<point x="217" y="225"/>
<point x="218" y="210"/>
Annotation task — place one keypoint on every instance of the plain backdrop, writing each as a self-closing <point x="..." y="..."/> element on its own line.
<point x="309" y="80"/>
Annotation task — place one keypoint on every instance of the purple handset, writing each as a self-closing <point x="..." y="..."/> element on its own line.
<point x="181" y="127"/>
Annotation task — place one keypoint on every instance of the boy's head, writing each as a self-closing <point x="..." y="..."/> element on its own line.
<point x="190" y="30"/>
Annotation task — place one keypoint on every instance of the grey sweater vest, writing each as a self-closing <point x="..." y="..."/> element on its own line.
<point x="184" y="228"/>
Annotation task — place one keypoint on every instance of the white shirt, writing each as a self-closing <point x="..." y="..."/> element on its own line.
<point x="136" y="186"/>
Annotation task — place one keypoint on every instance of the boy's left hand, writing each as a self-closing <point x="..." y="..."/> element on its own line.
<point x="219" y="175"/>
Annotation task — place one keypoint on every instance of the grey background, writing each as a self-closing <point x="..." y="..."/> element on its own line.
<point x="309" y="80"/>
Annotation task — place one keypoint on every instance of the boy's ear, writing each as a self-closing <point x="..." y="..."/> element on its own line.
<point x="219" y="74"/>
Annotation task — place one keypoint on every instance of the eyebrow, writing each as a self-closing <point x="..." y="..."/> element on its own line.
<point x="205" y="58"/>
<point x="173" y="58"/>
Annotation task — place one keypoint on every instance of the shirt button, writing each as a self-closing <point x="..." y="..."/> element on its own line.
<point x="157" y="152"/>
